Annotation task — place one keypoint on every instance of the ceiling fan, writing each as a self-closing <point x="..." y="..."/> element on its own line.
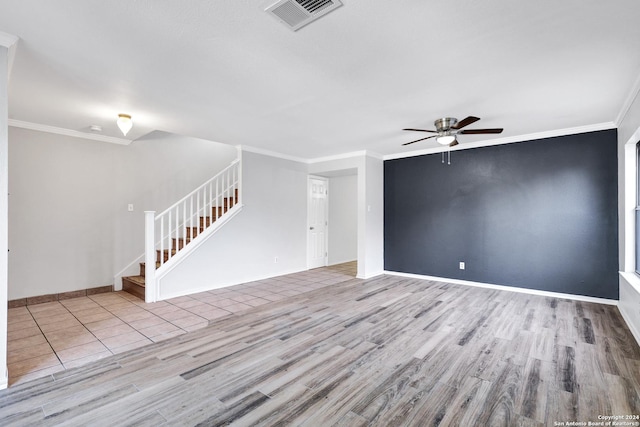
<point x="448" y="127"/>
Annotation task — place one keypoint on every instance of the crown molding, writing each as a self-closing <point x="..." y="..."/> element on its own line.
<point x="7" y="40"/>
<point x="375" y="155"/>
<point x="68" y="132"/>
<point x="270" y="153"/>
<point x="361" y="153"/>
<point x="635" y="90"/>
<point x="10" y="42"/>
<point x="508" y="140"/>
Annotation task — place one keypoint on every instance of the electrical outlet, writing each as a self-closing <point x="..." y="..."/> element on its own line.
<point x="462" y="265"/>
<point x="275" y="260"/>
<point x="130" y="207"/>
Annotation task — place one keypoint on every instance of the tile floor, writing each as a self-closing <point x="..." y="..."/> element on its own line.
<point x="49" y="337"/>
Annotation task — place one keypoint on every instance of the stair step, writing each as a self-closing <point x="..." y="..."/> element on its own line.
<point x="166" y="254"/>
<point x="218" y="211"/>
<point x="230" y="201"/>
<point x="206" y="221"/>
<point x="142" y="268"/>
<point x="180" y="242"/>
<point x="134" y="285"/>
<point x="221" y="211"/>
<point x="194" y="231"/>
<point x="138" y="280"/>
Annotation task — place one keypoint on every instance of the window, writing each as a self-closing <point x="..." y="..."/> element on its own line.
<point x="638" y="208"/>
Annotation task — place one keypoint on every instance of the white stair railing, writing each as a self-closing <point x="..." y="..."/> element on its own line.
<point x="170" y="232"/>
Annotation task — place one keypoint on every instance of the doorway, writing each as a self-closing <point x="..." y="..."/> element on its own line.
<point x="317" y="222"/>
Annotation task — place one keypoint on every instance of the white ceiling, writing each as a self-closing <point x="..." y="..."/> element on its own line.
<point x="226" y="71"/>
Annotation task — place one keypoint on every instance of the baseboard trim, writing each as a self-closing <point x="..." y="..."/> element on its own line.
<point x="630" y="324"/>
<point x="370" y="275"/>
<point x="256" y="278"/>
<point x="629" y="297"/>
<point x="508" y="288"/>
<point x="4" y="380"/>
<point x="183" y="292"/>
<point x="41" y="299"/>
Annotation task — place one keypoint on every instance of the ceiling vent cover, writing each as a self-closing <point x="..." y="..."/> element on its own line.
<point x="295" y="14"/>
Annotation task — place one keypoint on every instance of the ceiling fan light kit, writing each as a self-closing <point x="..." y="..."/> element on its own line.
<point x="445" y="139"/>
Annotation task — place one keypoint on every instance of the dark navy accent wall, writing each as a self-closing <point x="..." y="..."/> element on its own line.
<point x="540" y="215"/>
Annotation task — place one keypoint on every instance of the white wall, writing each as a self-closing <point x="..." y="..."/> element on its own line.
<point x="61" y="209"/>
<point x="153" y="173"/>
<point x="69" y="224"/>
<point x="343" y="219"/>
<point x="370" y="172"/>
<point x="628" y="136"/>
<point x="374" y="187"/>
<point x="271" y="224"/>
<point x="4" y="115"/>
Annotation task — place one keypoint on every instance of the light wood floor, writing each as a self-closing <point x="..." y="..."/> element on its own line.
<point x="46" y="338"/>
<point x="388" y="351"/>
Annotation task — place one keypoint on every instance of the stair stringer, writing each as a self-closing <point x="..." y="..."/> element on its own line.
<point x="189" y="249"/>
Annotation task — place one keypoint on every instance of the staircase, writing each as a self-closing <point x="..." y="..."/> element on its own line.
<point x="194" y="216"/>
<point x="136" y="284"/>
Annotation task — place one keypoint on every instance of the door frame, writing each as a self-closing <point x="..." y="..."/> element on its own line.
<point x="326" y="216"/>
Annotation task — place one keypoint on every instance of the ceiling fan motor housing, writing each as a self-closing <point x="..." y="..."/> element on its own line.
<point x="445" y="123"/>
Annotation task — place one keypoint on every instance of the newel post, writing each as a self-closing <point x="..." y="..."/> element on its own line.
<point x="240" y="175"/>
<point x="151" y="291"/>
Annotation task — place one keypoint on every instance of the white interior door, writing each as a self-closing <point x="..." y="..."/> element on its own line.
<point x="317" y="232"/>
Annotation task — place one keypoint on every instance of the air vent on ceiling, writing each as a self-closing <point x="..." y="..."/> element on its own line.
<point x="295" y="14"/>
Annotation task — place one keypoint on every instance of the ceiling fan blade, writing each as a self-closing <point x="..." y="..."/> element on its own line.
<point x="454" y="143"/>
<point x="417" y="140"/>
<point x="481" y="131"/>
<point x="423" y="130"/>
<point x="465" y="122"/>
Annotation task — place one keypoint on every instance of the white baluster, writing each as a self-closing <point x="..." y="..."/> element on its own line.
<point x="239" y="166"/>
<point x="233" y="186"/>
<point x="168" y="237"/>
<point x="191" y="216"/>
<point x="217" y="197"/>
<point x="202" y="208"/>
<point x="205" y="203"/>
<point x="210" y="198"/>
<point x="225" y="192"/>
<point x="198" y="211"/>
<point x="161" y="240"/>
<point x="229" y="185"/>
<point x="175" y="230"/>
<point x="184" y="222"/>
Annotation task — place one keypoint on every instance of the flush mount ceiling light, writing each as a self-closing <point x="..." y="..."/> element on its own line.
<point x="124" y="123"/>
